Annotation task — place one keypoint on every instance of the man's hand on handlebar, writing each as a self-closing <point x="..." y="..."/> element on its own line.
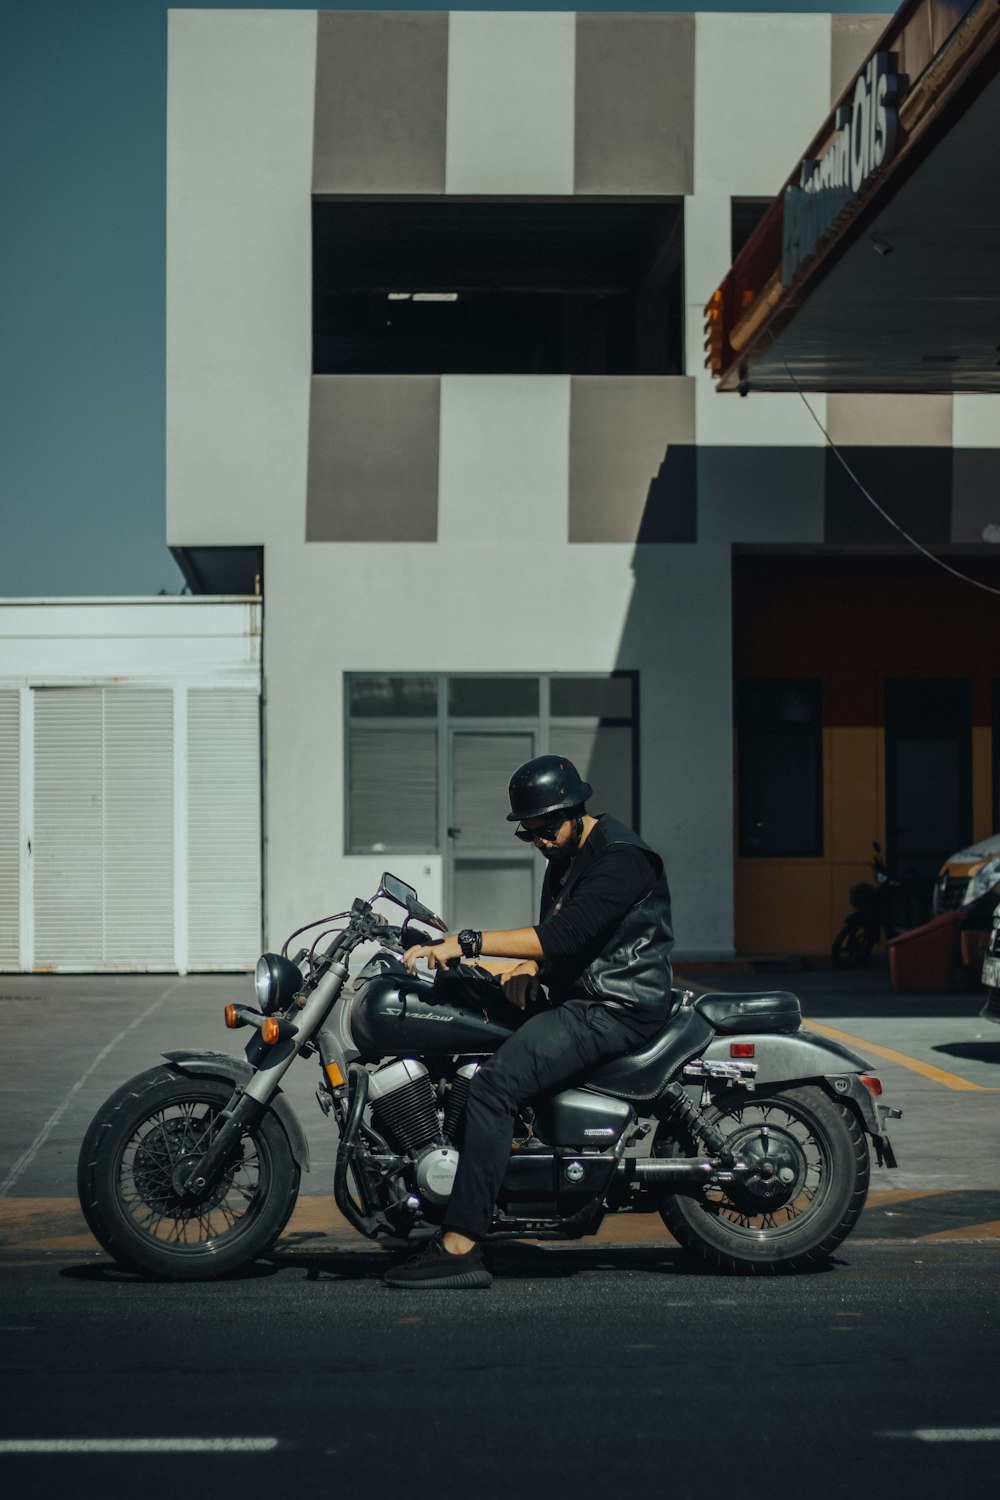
<point x="520" y="982"/>
<point x="437" y="955"/>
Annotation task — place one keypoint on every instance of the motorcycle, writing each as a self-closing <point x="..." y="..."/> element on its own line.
<point x="871" y="917"/>
<point x="747" y="1135"/>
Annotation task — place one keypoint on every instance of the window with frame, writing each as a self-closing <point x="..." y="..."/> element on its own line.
<point x="452" y="285"/>
<point x="780" y="768"/>
<point x="408" y="734"/>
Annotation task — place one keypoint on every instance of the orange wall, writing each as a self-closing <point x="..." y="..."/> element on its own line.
<point x="853" y="622"/>
<point x="798" y="905"/>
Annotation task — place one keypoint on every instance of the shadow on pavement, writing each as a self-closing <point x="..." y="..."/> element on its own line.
<point x="511" y="1261"/>
<point x="987" y="1052"/>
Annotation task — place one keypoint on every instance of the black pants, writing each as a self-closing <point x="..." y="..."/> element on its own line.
<point x="549" y="1051"/>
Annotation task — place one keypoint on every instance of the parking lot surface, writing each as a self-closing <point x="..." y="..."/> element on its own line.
<point x="66" y="1042"/>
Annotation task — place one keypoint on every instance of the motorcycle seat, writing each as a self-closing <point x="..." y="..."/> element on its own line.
<point x="768" y="1010"/>
<point x="641" y="1075"/>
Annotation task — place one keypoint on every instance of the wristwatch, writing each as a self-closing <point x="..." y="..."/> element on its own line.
<point x="470" y="942"/>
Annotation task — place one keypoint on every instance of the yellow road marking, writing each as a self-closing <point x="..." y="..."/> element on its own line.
<point x="890" y="1197"/>
<point x="57" y="1225"/>
<point x="927" y="1070"/>
<point x="989" y="1231"/>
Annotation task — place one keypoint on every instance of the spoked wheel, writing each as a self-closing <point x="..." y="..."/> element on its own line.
<point x="852" y="946"/>
<point x="133" y="1164"/>
<point x="807" y="1184"/>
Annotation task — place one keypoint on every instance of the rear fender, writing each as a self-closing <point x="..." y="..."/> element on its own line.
<point x="237" y="1072"/>
<point x="800" y="1056"/>
<point x="784" y="1058"/>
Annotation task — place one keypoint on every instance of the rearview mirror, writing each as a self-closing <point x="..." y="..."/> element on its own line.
<point x="397" y="890"/>
<point x="405" y="896"/>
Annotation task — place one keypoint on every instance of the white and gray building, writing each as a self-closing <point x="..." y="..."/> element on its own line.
<point x="435" y="376"/>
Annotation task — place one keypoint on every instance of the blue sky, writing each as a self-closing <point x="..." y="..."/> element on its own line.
<point x="82" y="263"/>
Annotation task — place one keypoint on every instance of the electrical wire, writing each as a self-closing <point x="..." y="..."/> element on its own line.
<point x="317" y="940"/>
<point x="335" y="917"/>
<point x="964" y="577"/>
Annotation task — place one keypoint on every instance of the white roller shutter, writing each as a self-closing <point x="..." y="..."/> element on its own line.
<point x="10" y="826"/>
<point x="139" y="827"/>
<point x="224" y="916"/>
<point x="68" y="846"/>
<point x="393" y="795"/>
<point x="481" y="768"/>
<point x="103" y="821"/>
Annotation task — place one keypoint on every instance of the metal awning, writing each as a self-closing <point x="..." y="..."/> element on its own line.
<point x="877" y="267"/>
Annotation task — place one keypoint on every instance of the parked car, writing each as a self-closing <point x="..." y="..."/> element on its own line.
<point x="967" y="875"/>
<point x="991" y="973"/>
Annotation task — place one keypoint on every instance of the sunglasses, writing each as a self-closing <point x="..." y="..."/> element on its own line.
<point x="544" y="831"/>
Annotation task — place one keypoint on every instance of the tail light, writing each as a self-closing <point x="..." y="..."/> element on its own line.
<point x="872" y="1084"/>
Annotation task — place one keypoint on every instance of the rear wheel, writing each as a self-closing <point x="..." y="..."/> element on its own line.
<point x="132" y="1167"/>
<point x="807" y="1184"/>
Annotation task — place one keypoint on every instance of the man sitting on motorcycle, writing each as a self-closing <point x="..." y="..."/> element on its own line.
<point x="601" y="948"/>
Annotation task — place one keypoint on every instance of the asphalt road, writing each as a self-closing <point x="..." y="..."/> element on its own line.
<point x="579" y="1372"/>
<point x="614" y="1364"/>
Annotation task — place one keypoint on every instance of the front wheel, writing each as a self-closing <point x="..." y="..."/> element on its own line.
<point x="852" y="945"/>
<point x="807" y="1184"/>
<point x="131" y="1169"/>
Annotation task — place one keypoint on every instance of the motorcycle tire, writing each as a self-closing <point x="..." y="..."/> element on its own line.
<point x="852" y="945"/>
<point x="802" y="1131"/>
<point x="124" y="1178"/>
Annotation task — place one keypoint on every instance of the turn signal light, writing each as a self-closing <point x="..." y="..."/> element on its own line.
<point x="741" y="1049"/>
<point x="232" y="1019"/>
<point x="872" y="1084"/>
<point x="270" y="1031"/>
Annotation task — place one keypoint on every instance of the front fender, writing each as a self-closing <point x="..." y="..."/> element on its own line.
<point x="234" y="1070"/>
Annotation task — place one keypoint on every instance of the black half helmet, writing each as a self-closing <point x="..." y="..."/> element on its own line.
<point x="547" y="784"/>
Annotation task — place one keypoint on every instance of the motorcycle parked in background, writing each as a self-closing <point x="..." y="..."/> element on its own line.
<point x="747" y="1135"/>
<point x="872" y="916"/>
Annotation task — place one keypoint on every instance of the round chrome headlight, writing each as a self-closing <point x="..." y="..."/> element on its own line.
<point x="262" y="980"/>
<point x="276" y="979"/>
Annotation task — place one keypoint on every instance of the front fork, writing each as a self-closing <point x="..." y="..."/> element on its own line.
<point x="253" y="1101"/>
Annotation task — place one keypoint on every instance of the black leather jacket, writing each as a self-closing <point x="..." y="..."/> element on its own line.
<point x="627" y="968"/>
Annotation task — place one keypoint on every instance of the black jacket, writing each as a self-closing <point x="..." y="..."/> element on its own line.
<point x="627" y="966"/>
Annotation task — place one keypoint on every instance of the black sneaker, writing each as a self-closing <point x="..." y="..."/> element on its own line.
<point x="433" y="1267"/>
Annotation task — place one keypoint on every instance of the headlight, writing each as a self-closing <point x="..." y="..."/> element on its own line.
<point x="983" y="881"/>
<point x="276" y="979"/>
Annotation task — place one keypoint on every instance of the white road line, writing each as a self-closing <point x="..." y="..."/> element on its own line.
<point x="138" y="1445"/>
<point x="950" y="1434"/>
<point x="23" y="1162"/>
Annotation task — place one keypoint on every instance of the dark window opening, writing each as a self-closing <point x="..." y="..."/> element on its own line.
<point x="780" y="768"/>
<point x="928" y="778"/>
<point x="450" y="286"/>
<point x="746" y="215"/>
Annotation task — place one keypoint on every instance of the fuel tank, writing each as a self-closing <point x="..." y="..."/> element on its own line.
<point x="395" y="1013"/>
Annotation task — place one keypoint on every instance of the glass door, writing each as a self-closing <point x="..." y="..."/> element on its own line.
<point x="493" y="880"/>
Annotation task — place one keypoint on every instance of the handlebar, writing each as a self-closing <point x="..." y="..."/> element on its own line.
<point x="401" y="938"/>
